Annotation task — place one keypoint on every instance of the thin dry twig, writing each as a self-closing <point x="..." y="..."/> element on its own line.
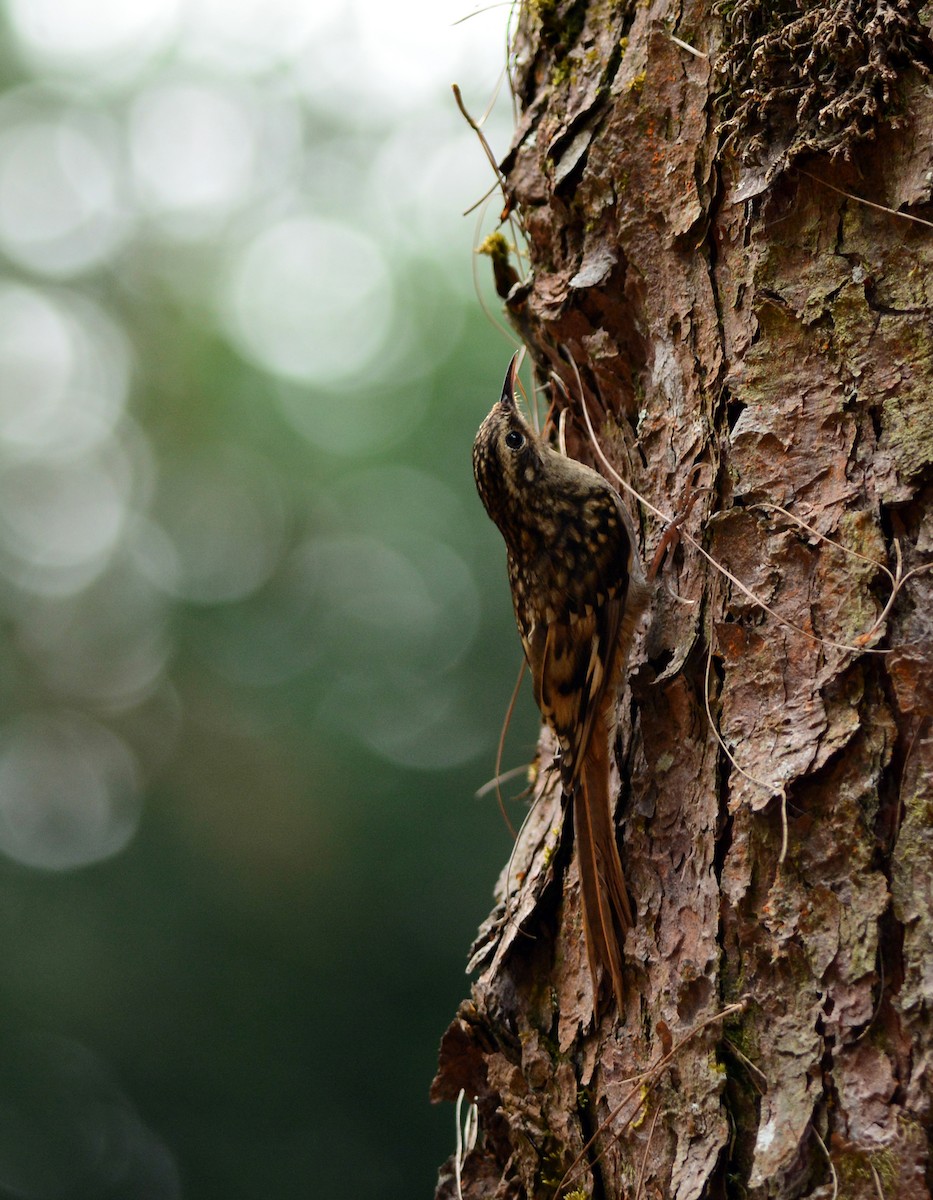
<point x="765" y="787"/>
<point x="562" y="431"/>
<point x="783" y="796"/>
<point x="832" y="1169"/>
<point x="759" y="1079"/>
<point x="515" y="225"/>
<point x="874" y="1174"/>
<point x="490" y="316"/>
<point x="475" y="126"/>
<point x="897" y="577"/>
<point x="686" y="46"/>
<point x="785" y="512"/>
<point x="642" y="1170"/>
<point x="878" y="1002"/>
<point x="894" y="212"/>
<point x="478" y="11"/>
<point x="733" y="579"/>
<point x="467" y="1132"/>
<point x="482" y="200"/>
<point x="641" y="1081"/>
<point x="501" y="746"/>
<point x="496" y="781"/>
<point x="507" y="901"/>
<point x="671" y="535"/>
<point x="900" y="580"/>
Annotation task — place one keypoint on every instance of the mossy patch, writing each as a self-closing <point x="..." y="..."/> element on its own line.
<point x="816" y="77"/>
<point x="854" y="1170"/>
<point x="907" y="421"/>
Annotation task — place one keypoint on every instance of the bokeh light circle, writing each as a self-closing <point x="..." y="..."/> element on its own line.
<point x="68" y="1130"/>
<point x="109" y="37"/>
<point x="250" y="35"/>
<point x="64" y="372"/>
<point x="60" y="210"/>
<point x="310" y="299"/>
<point x="193" y="148"/>
<point x="69" y="791"/>
<point x="107" y="644"/>
<point x="60" y="521"/>
<point x="218" y="528"/>
<point x="362" y="420"/>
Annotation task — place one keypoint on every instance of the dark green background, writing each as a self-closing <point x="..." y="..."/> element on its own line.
<point x="246" y="1000"/>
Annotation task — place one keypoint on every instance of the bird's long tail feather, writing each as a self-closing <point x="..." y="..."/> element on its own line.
<point x="607" y="913"/>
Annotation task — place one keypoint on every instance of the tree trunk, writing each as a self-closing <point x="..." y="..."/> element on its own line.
<point x="728" y="219"/>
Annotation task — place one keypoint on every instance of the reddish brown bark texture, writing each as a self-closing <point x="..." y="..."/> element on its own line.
<point x="727" y="306"/>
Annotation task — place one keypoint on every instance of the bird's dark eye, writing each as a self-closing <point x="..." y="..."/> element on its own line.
<point x="514" y="439"/>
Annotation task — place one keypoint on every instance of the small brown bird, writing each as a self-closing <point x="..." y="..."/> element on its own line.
<point x="578" y="589"/>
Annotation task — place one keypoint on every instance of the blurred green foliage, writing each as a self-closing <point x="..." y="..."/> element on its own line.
<point x="257" y="642"/>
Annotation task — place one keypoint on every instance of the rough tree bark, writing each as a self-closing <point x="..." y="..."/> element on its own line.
<point x="697" y="248"/>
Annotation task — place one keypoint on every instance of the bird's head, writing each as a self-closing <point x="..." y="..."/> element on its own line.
<point x="508" y="455"/>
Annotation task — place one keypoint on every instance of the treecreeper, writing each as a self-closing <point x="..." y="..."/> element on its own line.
<point x="578" y="589"/>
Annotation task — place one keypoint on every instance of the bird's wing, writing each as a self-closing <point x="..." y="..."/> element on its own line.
<point x="575" y="668"/>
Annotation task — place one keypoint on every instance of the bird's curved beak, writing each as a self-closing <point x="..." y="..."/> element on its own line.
<point x="507" y="399"/>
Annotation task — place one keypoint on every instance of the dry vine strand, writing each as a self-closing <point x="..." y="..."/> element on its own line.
<point x="640" y="1082"/>
<point x="894" y="212"/>
<point x="849" y="648"/>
